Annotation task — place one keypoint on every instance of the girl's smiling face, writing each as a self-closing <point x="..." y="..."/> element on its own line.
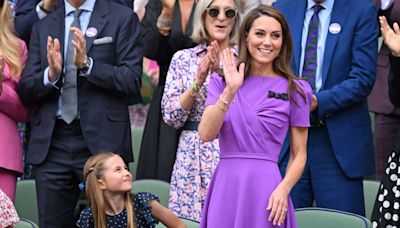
<point x="117" y="177"/>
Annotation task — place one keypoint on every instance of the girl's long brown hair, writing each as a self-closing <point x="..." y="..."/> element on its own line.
<point x="9" y="45"/>
<point x="281" y="64"/>
<point x="93" y="171"/>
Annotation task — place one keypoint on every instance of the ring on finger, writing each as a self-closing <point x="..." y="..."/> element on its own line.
<point x="284" y="209"/>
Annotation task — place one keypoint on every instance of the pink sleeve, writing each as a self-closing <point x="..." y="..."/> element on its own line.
<point x="10" y="103"/>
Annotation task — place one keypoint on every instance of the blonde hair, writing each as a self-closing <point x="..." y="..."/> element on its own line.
<point x="9" y="45"/>
<point x="93" y="171"/>
<point x="200" y="34"/>
<point x="281" y="64"/>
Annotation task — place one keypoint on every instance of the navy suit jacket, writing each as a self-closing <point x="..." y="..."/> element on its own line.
<point x="348" y="74"/>
<point x="103" y="96"/>
<point x="26" y="15"/>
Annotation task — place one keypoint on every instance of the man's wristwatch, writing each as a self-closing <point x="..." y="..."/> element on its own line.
<point x="85" y="65"/>
<point x="43" y="9"/>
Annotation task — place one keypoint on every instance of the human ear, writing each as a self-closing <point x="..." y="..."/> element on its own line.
<point x="102" y="184"/>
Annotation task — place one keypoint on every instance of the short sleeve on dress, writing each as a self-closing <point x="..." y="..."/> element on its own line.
<point x="85" y="219"/>
<point x="144" y="218"/>
<point x="300" y="105"/>
<point x="215" y="88"/>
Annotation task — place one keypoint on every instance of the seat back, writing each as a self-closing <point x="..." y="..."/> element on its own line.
<point x="137" y="134"/>
<point x="25" y="200"/>
<point x="25" y="223"/>
<point x="189" y="224"/>
<point x="371" y="189"/>
<point x="155" y="187"/>
<point x="314" y="217"/>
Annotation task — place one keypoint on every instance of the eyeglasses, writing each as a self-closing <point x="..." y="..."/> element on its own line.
<point x="214" y="12"/>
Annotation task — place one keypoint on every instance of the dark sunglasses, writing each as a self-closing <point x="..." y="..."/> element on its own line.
<point x="214" y="12"/>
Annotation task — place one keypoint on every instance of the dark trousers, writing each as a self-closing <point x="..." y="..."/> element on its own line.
<point x="58" y="177"/>
<point x="386" y="127"/>
<point x="323" y="180"/>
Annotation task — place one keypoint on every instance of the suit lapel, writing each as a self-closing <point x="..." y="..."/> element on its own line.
<point x="98" y="20"/>
<point x="339" y="14"/>
<point x="298" y="11"/>
<point x="56" y="28"/>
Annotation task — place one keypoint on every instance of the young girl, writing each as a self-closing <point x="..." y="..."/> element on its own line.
<point x="108" y="186"/>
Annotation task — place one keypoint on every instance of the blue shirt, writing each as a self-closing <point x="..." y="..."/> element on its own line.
<point x="324" y="17"/>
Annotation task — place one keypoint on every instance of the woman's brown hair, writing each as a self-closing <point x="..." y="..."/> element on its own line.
<point x="281" y="64"/>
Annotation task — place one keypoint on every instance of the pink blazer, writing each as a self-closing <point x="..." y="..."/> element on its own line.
<point x="11" y="112"/>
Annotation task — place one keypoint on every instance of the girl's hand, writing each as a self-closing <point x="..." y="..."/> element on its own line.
<point x="1" y="73"/>
<point x="391" y="38"/>
<point x="213" y="53"/>
<point x="165" y="216"/>
<point x="278" y="205"/>
<point x="233" y="77"/>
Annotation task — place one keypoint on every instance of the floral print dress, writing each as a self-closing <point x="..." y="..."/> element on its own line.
<point x="195" y="160"/>
<point x="8" y="214"/>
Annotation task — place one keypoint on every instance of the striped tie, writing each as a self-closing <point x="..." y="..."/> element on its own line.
<point x="310" y="53"/>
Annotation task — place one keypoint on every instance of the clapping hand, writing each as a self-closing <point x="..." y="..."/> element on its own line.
<point x="390" y="36"/>
<point x="233" y="77"/>
<point x="54" y="58"/>
<point x="213" y="53"/>
<point x="79" y="43"/>
<point x="202" y="72"/>
<point x="49" y="5"/>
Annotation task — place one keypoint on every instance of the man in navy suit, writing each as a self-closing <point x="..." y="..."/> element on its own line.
<point x="339" y="148"/>
<point x="107" y="61"/>
<point x="30" y="11"/>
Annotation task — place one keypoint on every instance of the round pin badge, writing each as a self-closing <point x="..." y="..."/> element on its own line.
<point x="91" y="32"/>
<point x="334" y="28"/>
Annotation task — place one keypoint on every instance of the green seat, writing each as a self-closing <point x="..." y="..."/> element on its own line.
<point x="371" y="189"/>
<point x="314" y="217"/>
<point x="155" y="187"/>
<point x="137" y="134"/>
<point x="189" y="224"/>
<point x="25" y="200"/>
<point x="25" y="223"/>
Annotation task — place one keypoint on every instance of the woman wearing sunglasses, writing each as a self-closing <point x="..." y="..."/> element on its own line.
<point x="250" y="108"/>
<point x="215" y="25"/>
<point x="166" y="29"/>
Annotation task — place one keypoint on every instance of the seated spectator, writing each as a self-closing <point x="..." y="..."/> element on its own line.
<point x="108" y="184"/>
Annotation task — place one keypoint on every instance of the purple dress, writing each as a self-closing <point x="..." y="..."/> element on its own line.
<point x="251" y="138"/>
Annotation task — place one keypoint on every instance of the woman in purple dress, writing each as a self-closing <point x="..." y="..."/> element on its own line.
<point x="251" y="110"/>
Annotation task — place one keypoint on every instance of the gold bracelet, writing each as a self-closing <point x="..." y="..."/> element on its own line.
<point x="222" y="106"/>
<point x="223" y="101"/>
